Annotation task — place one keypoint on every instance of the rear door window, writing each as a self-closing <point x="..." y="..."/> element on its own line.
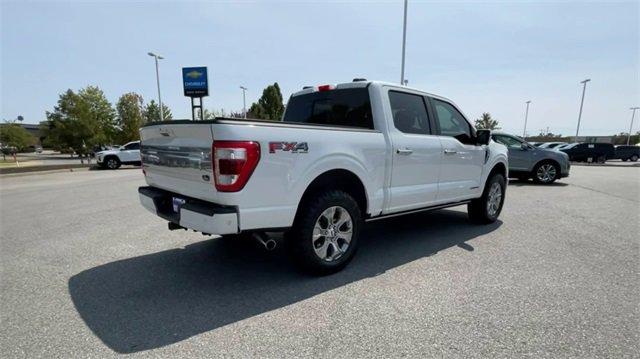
<point x="341" y="107"/>
<point x="409" y="113"/>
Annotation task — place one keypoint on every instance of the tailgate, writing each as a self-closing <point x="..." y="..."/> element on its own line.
<point x="177" y="157"/>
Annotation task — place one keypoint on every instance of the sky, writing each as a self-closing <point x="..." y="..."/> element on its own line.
<point x="485" y="56"/>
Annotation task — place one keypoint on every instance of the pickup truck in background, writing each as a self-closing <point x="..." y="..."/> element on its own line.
<point x="341" y="156"/>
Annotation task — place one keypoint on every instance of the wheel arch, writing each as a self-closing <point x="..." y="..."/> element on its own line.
<point x="546" y="160"/>
<point x="341" y="179"/>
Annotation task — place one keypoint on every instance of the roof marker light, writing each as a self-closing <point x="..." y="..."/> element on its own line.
<point x="325" y="88"/>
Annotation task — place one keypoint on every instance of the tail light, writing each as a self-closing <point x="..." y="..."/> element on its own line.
<point x="233" y="163"/>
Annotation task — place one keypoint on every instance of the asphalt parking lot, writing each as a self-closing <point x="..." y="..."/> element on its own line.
<point x="87" y="272"/>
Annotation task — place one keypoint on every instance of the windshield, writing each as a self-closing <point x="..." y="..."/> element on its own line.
<point x="343" y="107"/>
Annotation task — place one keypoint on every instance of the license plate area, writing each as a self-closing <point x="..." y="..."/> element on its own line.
<point x="177" y="203"/>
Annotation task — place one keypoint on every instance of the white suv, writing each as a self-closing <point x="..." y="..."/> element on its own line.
<point x="128" y="154"/>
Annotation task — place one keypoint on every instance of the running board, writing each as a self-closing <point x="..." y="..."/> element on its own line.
<point x="425" y="209"/>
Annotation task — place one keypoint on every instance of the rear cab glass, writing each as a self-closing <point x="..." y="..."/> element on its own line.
<point x="349" y="107"/>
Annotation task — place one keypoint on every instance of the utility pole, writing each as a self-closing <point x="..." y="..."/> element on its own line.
<point x="526" y="116"/>
<point x="244" y="102"/>
<point x="584" y="88"/>
<point x="158" y="57"/>
<point x="404" y="40"/>
<point x="633" y="114"/>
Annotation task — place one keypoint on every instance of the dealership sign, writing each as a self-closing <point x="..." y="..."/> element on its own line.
<point x="195" y="81"/>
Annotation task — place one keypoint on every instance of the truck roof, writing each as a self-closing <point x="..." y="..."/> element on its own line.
<point x="359" y="83"/>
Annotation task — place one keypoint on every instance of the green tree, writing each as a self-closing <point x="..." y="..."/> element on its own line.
<point x="269" y="106"/>
<point x="81" y="120"/>
<point x="130" y="116"/>
<point x="152" y="112"/>
<point x="485" y="122"/>
<point x="14" y="135"/>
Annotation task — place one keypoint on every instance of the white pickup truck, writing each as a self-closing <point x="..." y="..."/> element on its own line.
<point x="341" y="156"/>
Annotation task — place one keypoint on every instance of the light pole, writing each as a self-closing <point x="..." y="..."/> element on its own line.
<point x="633" y="114"/>
<point x="526" y="116"/>
<point x="244" y="102"/>
<point x="158" y="57"/>
<point x="584" y="87"/>
<point x="404" y="40"/>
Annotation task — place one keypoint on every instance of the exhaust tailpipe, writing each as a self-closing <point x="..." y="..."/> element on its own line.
<point x="268" y="243"/>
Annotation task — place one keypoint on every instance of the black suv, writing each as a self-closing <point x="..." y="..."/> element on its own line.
<point x="590" y="152"/>
<point x="631" y="153"/>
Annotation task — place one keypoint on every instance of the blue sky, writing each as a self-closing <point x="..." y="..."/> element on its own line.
<point x="486" y="56"/>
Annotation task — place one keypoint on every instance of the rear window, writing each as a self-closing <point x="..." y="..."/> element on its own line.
<point x="345" y="107"/>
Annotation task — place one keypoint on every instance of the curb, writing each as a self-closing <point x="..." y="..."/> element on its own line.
<point x="41" y="168"/>
<point x="619" y="164"/>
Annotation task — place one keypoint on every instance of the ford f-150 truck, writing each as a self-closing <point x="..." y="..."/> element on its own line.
<point x="342" y="155"/>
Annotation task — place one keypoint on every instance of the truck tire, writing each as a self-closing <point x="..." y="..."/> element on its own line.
<point x="324" y="236"/>
<point x="486" y="209"/>
<point x="112" y="162"/>
<point x="634" y="158"/>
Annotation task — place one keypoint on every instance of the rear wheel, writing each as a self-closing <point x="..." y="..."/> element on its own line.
<point x="634" y="158"/>
<point x="112" y="163"/>
<point x="324" y="236"/>
<point x="487" y="208"/>
<point x="546" y="172"/>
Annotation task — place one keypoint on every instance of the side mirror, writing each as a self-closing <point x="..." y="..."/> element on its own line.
<point x="524" y="146"/>
<point x="483" y="137"/>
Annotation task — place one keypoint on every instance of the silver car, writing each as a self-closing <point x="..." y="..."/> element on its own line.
<point x="526" y="161"/>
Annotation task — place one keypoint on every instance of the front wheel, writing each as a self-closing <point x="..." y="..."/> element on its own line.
<point x="324" y="236"/>
<point x="546" y="173"/>
<point x="634" y="158"/>
<point x="487" y="208"/>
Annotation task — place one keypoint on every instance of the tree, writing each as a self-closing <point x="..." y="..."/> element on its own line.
<point x="269" y="106"/>
<point x="485" y="122"/>
<point x="130" y="116"/>
<point x="152" y="112"/>
<point x="81" y="120"/>
<point x="14" y="135"/>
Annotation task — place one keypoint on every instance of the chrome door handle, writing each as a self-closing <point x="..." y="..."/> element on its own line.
<point x="450" y="152"/>
<point x="404" y="151"/>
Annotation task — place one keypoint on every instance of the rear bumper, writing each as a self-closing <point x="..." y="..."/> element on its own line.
<point x="194" y="214"/>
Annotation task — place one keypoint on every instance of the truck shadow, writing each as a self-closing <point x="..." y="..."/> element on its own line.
<point x="158" y="299"/>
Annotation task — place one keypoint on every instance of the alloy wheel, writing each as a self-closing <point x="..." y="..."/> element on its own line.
<point x="332" y="233"/>
<point x="494" y="199"/>
<point x="546" y="173"/>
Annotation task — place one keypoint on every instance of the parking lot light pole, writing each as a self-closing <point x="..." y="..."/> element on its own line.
<point x="633" y="114"/>
<point x="584" y="87"/>
<point x="158" y="57"/>
<point x="404" y="41"/>
<point x="244" y="102"/>
<point x="526" y="116"/>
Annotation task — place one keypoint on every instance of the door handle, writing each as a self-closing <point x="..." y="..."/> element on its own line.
<point x="450" y="152"/>
<point x="404" y="151"/>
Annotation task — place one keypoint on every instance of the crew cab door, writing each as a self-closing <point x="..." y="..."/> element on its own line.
<point x="416" y="152"/>
<point x="462" y="159"/>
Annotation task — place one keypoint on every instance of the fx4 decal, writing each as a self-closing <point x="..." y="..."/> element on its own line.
<point x="293" y="147"/>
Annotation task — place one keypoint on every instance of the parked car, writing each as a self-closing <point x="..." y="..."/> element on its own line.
<point x="551" y="145"/>
<point x="590" y="152"/>
<point x="627" y="153"/>
<point x="129" y="154"/>
<point x="527" y="161"/>
<point x="342" y="155"/>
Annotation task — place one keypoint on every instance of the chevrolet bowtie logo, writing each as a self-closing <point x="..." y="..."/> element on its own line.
<point x="194" y="74"/>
